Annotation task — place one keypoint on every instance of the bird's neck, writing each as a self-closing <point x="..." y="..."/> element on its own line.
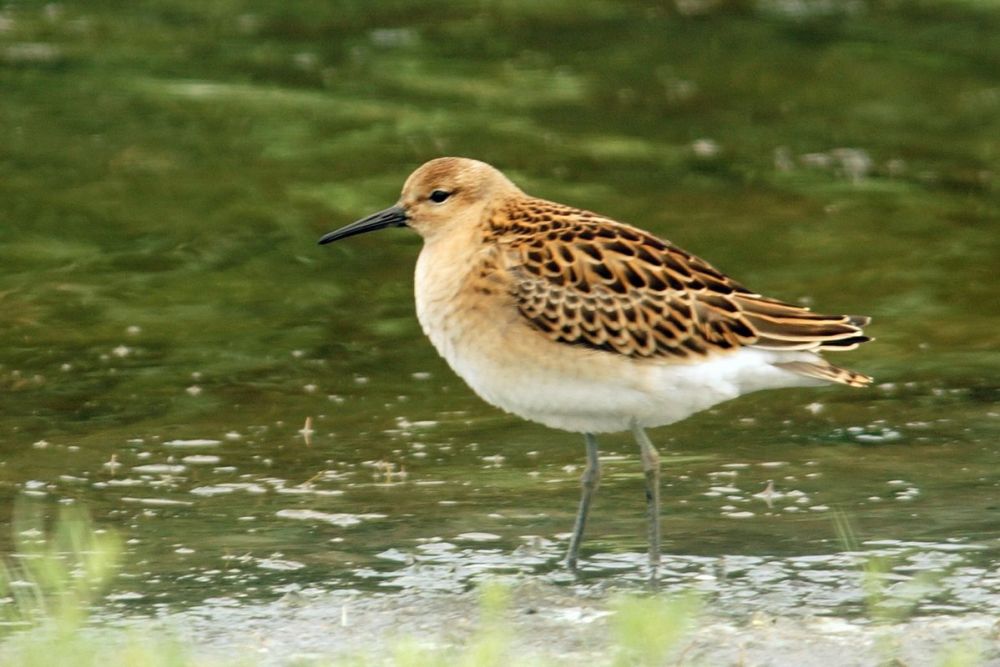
<point x="445" y="261"/>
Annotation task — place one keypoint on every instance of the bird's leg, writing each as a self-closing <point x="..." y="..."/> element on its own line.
<point x="589" y="481"/>
<point x="651" y="467"/>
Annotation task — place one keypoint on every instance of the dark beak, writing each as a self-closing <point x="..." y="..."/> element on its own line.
<point x="390" y="217"/>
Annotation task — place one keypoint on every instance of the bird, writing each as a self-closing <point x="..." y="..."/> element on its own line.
<point x="579" y="322"/>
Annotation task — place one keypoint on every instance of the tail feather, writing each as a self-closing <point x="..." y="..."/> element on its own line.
<point x="823" y="370"/>
<point x="784" y="327"/>
<point x="830" y="345"/>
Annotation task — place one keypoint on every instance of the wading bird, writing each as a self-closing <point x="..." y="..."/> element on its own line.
<point x="576" y="321"/>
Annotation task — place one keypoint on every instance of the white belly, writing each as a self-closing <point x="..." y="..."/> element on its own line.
<point x="592" y="396"/>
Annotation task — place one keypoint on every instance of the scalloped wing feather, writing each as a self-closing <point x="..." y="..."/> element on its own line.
<point x="582" y="279"/>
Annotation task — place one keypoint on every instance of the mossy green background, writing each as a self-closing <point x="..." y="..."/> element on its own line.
<point x="168" y="166"/>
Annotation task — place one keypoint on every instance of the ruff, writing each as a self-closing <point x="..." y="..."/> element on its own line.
<point x="576" y="321"/>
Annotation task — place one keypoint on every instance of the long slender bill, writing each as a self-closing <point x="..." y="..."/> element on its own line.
<point x="393" y="216"/>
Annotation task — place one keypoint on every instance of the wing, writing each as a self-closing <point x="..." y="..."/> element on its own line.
<point x="585" y="280"/>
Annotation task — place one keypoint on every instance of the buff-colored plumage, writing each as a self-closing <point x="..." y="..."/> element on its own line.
<point x="582" y="323"/>
<point x="583" y="279"/>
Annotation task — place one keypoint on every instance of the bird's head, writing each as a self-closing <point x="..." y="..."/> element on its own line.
<point x="440" y="196"/>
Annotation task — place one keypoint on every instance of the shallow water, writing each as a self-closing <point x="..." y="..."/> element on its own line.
<point x="169" y="325"/>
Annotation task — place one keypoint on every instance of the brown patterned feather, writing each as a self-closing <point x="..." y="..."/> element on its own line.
<point x="583" y="279"/>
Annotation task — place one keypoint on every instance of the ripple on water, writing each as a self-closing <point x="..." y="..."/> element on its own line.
<point x="201" y="459"/>
<point x="812" y="585"/>
<point x="197" y="442"/>
<point x="341" y="519"/>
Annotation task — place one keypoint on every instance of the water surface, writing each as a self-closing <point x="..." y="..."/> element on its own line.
<point x="168" y="324"/>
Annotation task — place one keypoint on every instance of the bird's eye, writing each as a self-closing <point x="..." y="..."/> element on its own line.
<point x="439" y="196"/>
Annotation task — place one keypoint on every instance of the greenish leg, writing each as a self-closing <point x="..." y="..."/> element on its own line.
<point x="591" y="477"/>
<point x="651" y="467"/>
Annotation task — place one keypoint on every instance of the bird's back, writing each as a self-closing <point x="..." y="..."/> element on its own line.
<point x="585" y="280"/>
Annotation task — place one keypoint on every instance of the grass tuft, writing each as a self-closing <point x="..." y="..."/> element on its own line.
<point x="648" y="629"/>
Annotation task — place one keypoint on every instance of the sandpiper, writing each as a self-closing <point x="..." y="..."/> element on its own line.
<point x="585" y="324"/>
